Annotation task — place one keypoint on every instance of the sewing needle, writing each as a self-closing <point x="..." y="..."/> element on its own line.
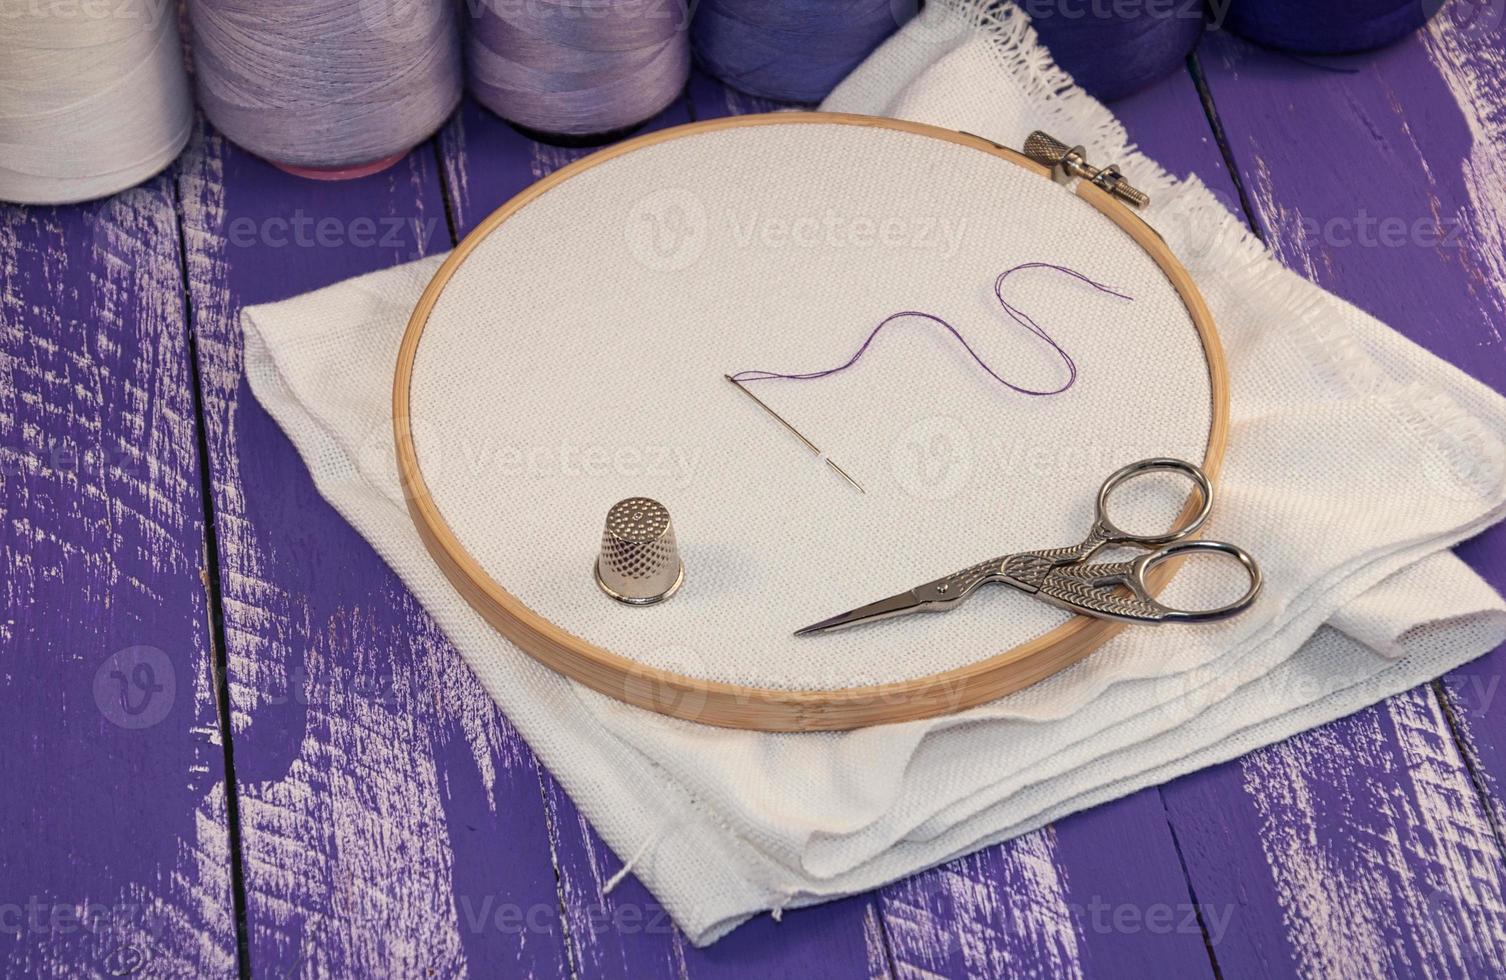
<point x="796" y="432"/>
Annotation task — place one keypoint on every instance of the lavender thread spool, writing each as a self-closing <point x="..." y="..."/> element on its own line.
<point x="329" y="89"/>
<point x="92" y="100"/>
<point x="791" y="50"/>
<point x="577" y="71"/>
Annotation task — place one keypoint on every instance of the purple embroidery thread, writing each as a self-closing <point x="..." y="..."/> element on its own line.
<point x="1015" y="313"/>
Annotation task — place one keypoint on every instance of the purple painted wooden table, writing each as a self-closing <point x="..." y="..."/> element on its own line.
<point x="234" y="744"/>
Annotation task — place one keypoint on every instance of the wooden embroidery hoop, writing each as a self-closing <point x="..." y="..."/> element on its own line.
<point x="767" y="709"/>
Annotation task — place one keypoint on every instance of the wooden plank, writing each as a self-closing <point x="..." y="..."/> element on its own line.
<point x="1361" y="847"/>
<point x="116" y="852"/>
<point x="1474" y="695"/>
<point x="391" y="820"/>
<point x="1470" y="60"/>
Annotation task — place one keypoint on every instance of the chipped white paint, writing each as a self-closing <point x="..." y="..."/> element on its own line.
<point x="874" y="945"/>
<point x="1467" y="905"/>
<point x="1474" y="68"/>
<point x="1283" y="221"/>
<point x="452" y="158"/>
<point x="1469" y="693"/>
<point x="350" y="849"/>
<point x="547" y="159"/>
<point x="1003" y="911"/>
<point x="97" y="444"/>
<point x="1369" y="838"/>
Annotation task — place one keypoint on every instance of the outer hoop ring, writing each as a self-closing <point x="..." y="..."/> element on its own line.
<point x="768" y="709"/>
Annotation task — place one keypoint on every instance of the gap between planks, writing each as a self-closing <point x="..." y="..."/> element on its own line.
<point x="212" y="586"/>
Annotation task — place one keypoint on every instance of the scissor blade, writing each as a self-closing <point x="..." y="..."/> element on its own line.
<point x="895" y="605"/>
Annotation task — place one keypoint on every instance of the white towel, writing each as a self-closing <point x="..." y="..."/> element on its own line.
<point x="725" y="824"/>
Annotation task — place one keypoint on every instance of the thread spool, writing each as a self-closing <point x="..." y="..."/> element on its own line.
<point x="577" y="71"/>
<point x="329" y="89"/>
<point x="1114" y="50"/>
<point x="92" y="100"/>
<point x="791" y="50"/>
<point x="1328" y="26"/>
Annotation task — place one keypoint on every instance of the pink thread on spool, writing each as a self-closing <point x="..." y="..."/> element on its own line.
<point x="327" y="89"/>
<point x="344" y="173"/>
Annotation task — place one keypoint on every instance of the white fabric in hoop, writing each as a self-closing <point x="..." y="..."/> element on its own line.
<point x="577" y="357"/>
<point x="1355" y="460"/>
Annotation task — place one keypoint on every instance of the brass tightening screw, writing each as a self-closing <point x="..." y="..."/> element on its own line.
<point x="1067" y="162"/>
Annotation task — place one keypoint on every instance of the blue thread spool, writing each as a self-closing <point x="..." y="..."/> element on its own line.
<point x="791" y="50"/>
<point x="1328" y="26"/>
<point x="1113" y="50"/>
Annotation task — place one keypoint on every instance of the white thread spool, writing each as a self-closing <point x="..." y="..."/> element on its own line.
<point x="329" y="89"/>
<point x="93" y="97"/>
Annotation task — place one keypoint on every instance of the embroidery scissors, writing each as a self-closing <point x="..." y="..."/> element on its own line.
<point x="1064" y="576"/>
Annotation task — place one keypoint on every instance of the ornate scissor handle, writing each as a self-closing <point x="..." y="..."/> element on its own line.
<point x="1029" y="569"/>
<point x="1095" y="589"/>
<point x="1108" y="532"/>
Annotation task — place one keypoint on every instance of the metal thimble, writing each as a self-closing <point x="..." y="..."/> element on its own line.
<point x="639" y="562"/>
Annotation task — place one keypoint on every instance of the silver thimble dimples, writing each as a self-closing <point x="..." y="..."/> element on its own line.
<point x="639" y="562"/>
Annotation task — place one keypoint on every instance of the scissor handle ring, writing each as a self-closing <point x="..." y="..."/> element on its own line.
<point x="1113" y="533"/>
<point x="1145" y="563"/>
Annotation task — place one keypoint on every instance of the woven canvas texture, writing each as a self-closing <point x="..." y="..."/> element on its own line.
<point x="577" y="357"/>
<point x="1356" y="459"/>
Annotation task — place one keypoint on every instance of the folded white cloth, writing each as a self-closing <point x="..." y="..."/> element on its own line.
<point x="1356" y="459"/>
